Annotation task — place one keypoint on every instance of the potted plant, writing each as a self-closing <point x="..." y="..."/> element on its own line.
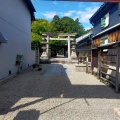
<point x="18" y="62"/>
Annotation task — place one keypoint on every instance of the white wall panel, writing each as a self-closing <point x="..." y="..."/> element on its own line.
<point x="15" y="22"/>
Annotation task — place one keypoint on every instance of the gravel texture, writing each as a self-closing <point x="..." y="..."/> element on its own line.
<point x="58" y="92"/>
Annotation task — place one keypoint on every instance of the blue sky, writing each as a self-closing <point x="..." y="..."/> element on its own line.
<point x="81" y="10"/>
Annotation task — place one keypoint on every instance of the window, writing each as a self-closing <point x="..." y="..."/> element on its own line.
<point x="102" y="22"/>
<point x="105" y="21"/>
<point x="104" y="40"/>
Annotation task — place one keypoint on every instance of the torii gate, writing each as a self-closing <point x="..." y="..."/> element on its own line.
<point x="67" y="36"/>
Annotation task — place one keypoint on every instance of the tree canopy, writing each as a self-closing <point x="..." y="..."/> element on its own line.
<point x="39" y="25"/>
<point x="57" y="25"/>
<point x="67" y="25"/>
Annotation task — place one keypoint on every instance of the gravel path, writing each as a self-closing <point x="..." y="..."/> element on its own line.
<point x="58" y="92"/>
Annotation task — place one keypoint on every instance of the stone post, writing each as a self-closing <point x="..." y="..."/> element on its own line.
<point x="73" y="49"/>
<point x="47" y="50"/>
<point x="69" y="47"/>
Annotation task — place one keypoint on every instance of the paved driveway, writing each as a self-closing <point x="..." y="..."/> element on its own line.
<point x="58" y="92"/>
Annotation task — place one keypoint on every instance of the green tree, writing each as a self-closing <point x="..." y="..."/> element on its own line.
<point x="88" y="30"/>
<point x="39" y="25"/>
<point x="67" y="25"/>
<point x="61" y="25"/>
<point x="55" y="19"/>
<point x="56" y="23"/>
<point x="78" y="28"/>
<point x="36" y="40"/>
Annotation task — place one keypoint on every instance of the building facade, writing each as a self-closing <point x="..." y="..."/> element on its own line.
<point x="83" y="47"/>
<point x="106" y="24"/>
<point x="106" y="43"/>
<point x="84" y="42"/>
<point x="106" y="17"/>
<point x="15" y="26"/>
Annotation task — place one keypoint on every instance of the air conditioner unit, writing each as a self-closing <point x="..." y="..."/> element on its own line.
<point x="3" y="38"/>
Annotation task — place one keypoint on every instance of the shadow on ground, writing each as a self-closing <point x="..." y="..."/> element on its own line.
<point x="27" y="115"/>
<point x="53" y="83"/>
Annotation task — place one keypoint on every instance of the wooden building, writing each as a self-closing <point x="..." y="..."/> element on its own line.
<point x="84" y="42"/>
<point x="83" y="46"/>
<point x="83" y="49"/>
<point x="106" y="41"/>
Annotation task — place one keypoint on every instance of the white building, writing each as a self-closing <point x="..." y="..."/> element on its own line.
<point x="15" y="24"/>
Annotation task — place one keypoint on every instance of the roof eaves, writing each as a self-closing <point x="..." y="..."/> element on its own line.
<point x="30" y="7"/>
<point x="107" y="30"/>
<point x="83" y="36"/>
<point x="109" y="45"/>
<point x="99" y="9"/>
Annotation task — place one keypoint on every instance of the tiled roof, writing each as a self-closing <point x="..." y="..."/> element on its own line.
<point x="83" y="37"/>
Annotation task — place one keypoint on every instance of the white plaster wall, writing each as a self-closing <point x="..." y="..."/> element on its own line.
<point x="15" y="22"/>
<point x="32" y="57"/>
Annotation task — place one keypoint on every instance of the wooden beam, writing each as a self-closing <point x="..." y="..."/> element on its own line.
<point x="67" y="34"/>
<point x="60" y="38"/>
<point x="117" y="69"/>
<point x="86" y="64"/>
<point x="99" y="64"/>
<point x="58" y="34"/>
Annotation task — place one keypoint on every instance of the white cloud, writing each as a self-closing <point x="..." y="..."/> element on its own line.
<point x="88" y="27"/>
<point x="75" y="17"/>
<point x="82" y="15"/>
<point x="85" y="15"/>
<point x="69" y="13"/>
<point x="49" y="14"/>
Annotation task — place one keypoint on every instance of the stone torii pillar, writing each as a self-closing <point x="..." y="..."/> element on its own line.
<point x="69" y="47"/>
<point x="47" y="49"/>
